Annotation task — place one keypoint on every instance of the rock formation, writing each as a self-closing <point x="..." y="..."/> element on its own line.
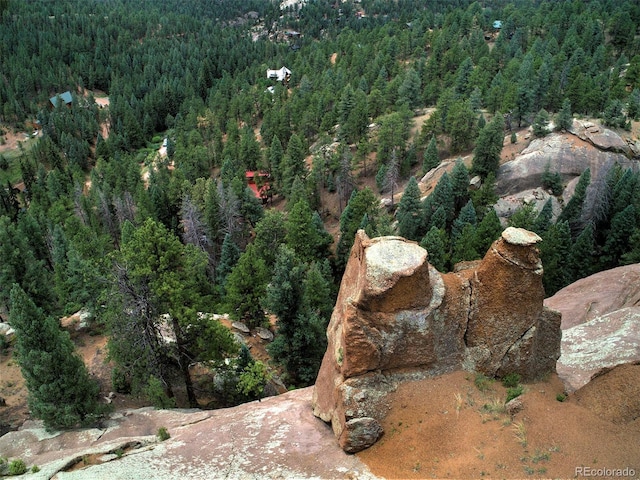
<point x="397" y="318"/>
<point x="600" y="323"/>
<point x="565" y="153"/>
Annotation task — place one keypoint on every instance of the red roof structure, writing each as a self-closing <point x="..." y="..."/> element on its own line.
<point x="258" y="182"/>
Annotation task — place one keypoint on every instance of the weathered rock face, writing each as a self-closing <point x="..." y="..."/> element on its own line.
<point x="396" y="318"/>
<point x="600" y="137"/>
<point x="600" y="323"/>
<point x="597" y="295"/>
<point x="275" y="438"/>
<point x="566" y="154"/>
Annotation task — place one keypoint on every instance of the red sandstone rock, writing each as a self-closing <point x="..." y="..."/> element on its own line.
<point x="397" y="318"/>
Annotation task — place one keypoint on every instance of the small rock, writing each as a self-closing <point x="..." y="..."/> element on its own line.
<point x="514" y="406"/>
<point x="520" y="236"/>
<point x="360" y="433"/>
<point x="264" y="334"/>
<point x="241" y="327"/>
<point x="6" y="330"/>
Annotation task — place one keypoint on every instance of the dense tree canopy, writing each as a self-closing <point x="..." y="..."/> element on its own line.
<point x="91" y="214"/>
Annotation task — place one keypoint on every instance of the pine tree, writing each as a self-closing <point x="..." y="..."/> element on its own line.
<point x="442" y="196"/>
<point x="467" y="216"/>
<point x="554" y="253"/>
<point x="524" y="217"/>
<point x="61" y="392"/>
<point x="543" y="220"/>
<point x="270" y="233"/>
<point x="582" y="261"/>
<point x="302" y="235"/>
<point x="246" y="286"/>
<point x="293" y="163"/>
<point x="564" y="119"/>
<point x="460" y="184"/>
<point x="361" y="203"/>
<point x="464" y="246"/>
<point x="228" y="258"/>
<point x="617" y="243"/>
<point x="573" y="210"/>
<point x="486" y="158"/>
<point x="488" y="231"/>
<point x="292" y="295"/>
<point x="541" y="123"/>
<point x="436" y="243"/>
<point x="430" y="158"/>
<point x="409" y="212"/>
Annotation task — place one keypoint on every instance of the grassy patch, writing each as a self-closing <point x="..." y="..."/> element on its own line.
<point x="514" y="392"/>
<point x="482" y="382"/>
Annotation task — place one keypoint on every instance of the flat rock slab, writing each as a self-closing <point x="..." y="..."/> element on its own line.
<point x="601" y="343"/>
<point x="276" y="438"/>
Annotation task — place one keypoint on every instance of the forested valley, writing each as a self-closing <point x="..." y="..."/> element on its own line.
<point x="92" y="217"/>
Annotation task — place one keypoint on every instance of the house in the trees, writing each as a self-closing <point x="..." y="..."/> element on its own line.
<point x="65" y="99"/>
<point x="259" y="183"/>
<point x="283" y="75"/>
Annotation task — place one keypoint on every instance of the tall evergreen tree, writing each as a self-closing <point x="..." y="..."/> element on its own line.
<point x="564" y="118"/>
<point x="460" y="184"/>
<point x="467" y="216"/>
<point x="582" y="261"/>
<point x="409" y="213"/>
<point x="486" y="158"/>
<point x="554" y="253"/>
<point x="246" y="286"/>
<point x="61" y="392"/>
<point x="436" y="243"/>
<point x="617" y="243"/>
<point x="573" y="210"/>
<point x="291" y="295"/>
<point x="488" y="231"/>
<point x="430" y="159"/>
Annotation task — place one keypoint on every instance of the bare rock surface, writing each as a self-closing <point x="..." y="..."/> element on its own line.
<point x="276" y="438"/>
<point x="600" y="323"/>
<point x="597" y="295"/>
<point x="600" y="137"/>
<point x="536" y="197"/>
<point x="563" y="153"/>
<point x="601" y="343"/>
<point x="398" y="319"/>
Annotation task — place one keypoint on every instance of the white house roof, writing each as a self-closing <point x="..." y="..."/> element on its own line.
<point x="279" y="75"/>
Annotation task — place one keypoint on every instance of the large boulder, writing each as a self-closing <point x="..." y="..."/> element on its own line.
<point x="597" y="295"/>
<point x="599" y="344"/>
<point x="600" y="323"/>
<point x="563" y="153"/>
<point x="397" y="318"/>
<point x="600" y="137"/>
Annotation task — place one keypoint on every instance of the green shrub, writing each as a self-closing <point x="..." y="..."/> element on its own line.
<point x="561" y="397"/>
<point x="511" y="380"/>
<point x="514" y="392"/>
<point x="17" y="467"/>
<point x="163" y="434"/>
<point x="482" y="382"/>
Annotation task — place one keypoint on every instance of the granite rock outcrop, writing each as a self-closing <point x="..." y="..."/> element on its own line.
<point x="397" y="318"/>
<point x="600" y="324"/>
<point x="568" y="154"/>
